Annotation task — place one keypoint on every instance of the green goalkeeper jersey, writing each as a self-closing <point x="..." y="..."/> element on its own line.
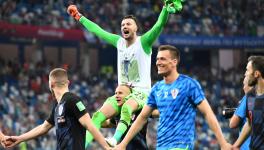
<point x="134" y="62"/>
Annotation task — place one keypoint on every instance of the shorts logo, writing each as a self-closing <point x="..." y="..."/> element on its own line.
<point x="174" y="93"/>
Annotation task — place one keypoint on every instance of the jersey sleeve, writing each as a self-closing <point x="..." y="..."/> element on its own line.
<point x="76" y="107"/>
<point x="196" y="92"/>
<point x="149" y="37"/>
<point x="51" y="117"/>
<point x="151" y="101"/>
<point x="98" y="31"/>
<point x="241" y="109"/>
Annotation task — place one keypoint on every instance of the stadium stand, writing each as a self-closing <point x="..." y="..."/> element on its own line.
<point x="24" y="93"/>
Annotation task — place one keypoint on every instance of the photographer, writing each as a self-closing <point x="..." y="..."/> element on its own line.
<point x="239" y="117"/>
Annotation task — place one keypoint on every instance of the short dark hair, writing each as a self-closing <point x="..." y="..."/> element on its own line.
<point x="133" y="18"/>
<point x="257" y="64"/>
<point x="175" y="53"/>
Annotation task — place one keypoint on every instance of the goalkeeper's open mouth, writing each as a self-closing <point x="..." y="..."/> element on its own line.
<point x="125" y="33"/>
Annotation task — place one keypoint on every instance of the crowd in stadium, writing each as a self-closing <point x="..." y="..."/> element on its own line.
<point x="24" y="93"/>
<point x="198" y="17"/>
<point x="25" y="99"/>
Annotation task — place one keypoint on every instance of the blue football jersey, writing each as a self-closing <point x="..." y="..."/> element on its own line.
<point x="241" y="111"/>
<point x="176" y="103"/>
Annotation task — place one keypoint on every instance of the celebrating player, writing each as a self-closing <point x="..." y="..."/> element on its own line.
<point x="176" y="97"/>
<point x="134" y="63"/>
<point x="255" y="104"/>
<point x="121" y="93"/>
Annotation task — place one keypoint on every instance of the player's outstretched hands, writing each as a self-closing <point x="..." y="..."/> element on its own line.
<point x="3" y="142"/>
<point x="11" y="141"/>
<point x="173" y="6"/>
<point x="119" y="147"/>
<point x="73" y="11"/>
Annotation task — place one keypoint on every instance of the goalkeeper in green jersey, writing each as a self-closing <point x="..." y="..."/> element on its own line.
<point x="133" y="63"/>
<point x="139" y="142"/>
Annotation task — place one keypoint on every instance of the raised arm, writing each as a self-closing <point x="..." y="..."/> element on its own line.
<point x="98" y="31"/>
<point x="206" y="110"/>
<point x="149" y="37"/>
<point x="93" y="27"/>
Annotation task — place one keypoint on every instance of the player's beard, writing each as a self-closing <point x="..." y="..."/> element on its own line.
<point x="252" y="81"/>
<point x="129" y="37"/>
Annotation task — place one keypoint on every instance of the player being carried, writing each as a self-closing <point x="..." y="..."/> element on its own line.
<point x="121" y="92"/>
<point x="133" y="63"/>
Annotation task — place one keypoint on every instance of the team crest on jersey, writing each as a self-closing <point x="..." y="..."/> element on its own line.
<point x="174" y="93"/>
<point x="60" y="109"/>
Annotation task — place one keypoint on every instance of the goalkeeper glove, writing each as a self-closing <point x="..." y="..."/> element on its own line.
<point x="173" y="6"/>
<point x="73" y="11"/>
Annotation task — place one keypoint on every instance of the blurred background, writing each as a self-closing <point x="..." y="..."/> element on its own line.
<point x="215" y="38"/>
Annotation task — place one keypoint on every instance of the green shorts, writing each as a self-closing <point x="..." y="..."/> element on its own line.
<point x="138" y="96"/>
